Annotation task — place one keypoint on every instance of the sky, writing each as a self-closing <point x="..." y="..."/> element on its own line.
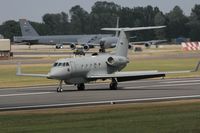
<point x="33" y="10"/>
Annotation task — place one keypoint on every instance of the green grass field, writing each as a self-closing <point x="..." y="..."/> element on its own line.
<point x="175" y="117"/>
<point x="8" y="78"/>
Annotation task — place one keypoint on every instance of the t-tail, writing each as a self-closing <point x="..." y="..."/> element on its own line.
<point x="123" y="42"/>
<point x="27" y="29"/>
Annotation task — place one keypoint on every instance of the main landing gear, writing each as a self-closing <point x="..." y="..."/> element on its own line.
<point x="113" y="84"/>
<point x="81" y="86"/>
<point x="59" y="89"/>
<point x="102" y="50"/>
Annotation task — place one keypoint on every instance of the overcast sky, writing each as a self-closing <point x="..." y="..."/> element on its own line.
<point x="35" y="9"/>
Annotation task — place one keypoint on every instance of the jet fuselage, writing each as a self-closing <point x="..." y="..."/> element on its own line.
<point x="76" y="70"/>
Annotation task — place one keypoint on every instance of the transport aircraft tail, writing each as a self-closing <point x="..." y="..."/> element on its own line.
<point x="27" y="29"/>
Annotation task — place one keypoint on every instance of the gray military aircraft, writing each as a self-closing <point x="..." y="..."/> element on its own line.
<point x="81" y="70"/>
<point x="30" y="36"/>
<point x="111" y="41"/>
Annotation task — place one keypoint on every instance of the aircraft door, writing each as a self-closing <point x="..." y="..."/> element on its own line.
<point x="72" y="66"/>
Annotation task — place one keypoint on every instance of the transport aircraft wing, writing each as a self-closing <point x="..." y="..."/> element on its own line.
<point x="133" y="29"/>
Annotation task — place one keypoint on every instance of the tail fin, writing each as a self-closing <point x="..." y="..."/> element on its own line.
<point x="123" y="42"/>
<point x="27" y="29"/>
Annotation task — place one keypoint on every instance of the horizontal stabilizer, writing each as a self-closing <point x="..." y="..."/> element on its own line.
<point x="133" y="29"/>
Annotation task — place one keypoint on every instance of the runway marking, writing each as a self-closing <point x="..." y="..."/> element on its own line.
<point x="94" y="84"/>
<point x="168" y="85"/>
<point x="25" y="94"/>
<point x="184" y="81"/>
<point x="98" y="102"/>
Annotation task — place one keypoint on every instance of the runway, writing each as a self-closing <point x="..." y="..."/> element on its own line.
<point x="99" y="93"/>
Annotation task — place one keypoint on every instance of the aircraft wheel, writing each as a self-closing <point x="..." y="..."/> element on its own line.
<point x="81" y="86"/>
<point x="102" y="50"/>
<point x="59" y="89"/>
<point x="113" y="86"/>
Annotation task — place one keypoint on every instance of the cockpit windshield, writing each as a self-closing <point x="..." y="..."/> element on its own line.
<point x="58" y="64"/>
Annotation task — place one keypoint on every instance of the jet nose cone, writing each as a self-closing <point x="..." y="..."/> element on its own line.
<point x="58" y="74"/>
<point x="53" y="75"/>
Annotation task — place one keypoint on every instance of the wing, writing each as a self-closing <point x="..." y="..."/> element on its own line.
<point x="127" y="76"/>
<point x="131" y="75"/>
<point x="150" y="42"/>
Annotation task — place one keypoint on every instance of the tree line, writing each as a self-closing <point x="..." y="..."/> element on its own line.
<point x="104" y="14"/>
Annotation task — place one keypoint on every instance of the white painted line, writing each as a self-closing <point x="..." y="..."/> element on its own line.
<point x="168" y="85"/>
<point x="100" y="102"/>
<point x="184" y="81"/>
<point x="25" y="94"/>
<point x="94" y="84"/>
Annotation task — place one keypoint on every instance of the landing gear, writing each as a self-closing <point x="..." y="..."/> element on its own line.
<point x="113" y="84"/>
<point x="59" y="89"/>
<point x="81" y="86"/>
<point x="102" y="50"/>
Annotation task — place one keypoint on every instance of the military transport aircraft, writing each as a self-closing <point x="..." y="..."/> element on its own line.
<point x="81" y="70"/>
<point x="30" y="36"/>
<point x="111" y="41"/>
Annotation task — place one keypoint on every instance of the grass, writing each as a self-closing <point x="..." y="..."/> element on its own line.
<point x="175" y="117"/>
<point x="165" y="65"/>
<point x="8" y="78"/>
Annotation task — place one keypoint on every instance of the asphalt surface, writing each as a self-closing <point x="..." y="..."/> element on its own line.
<point x="136" y="91"/>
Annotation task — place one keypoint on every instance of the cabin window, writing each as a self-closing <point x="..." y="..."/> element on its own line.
<point x="55" y="64"/>
<point x="67" y="64"/>
<point x="59" y="64"/>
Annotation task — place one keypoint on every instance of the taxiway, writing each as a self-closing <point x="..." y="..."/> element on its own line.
<point x="136" y="91"/>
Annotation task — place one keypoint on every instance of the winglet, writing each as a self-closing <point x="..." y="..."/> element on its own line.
<point x="197" y="67"/>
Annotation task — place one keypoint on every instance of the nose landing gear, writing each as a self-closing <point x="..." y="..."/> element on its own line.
<point x="59" y="89"/>
<point x="81" y="86"/>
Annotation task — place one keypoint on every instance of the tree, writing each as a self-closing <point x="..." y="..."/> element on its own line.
<point x="57" y="23"/>
<point x="159" y="19"/>
<point x="79" y="20"/>
<point x="194" y="24"/>
<point x="103" y="14"/>
<point x="177" y="23"/>
<point x="10" y="28"/>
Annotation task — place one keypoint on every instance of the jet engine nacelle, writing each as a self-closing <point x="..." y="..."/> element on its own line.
<point x="73" y="46"/>
<point x="116" y="61"/>
<point x="148" y="45"/>
<point x="130" y="47"/>
<point x="86" y="47"/>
